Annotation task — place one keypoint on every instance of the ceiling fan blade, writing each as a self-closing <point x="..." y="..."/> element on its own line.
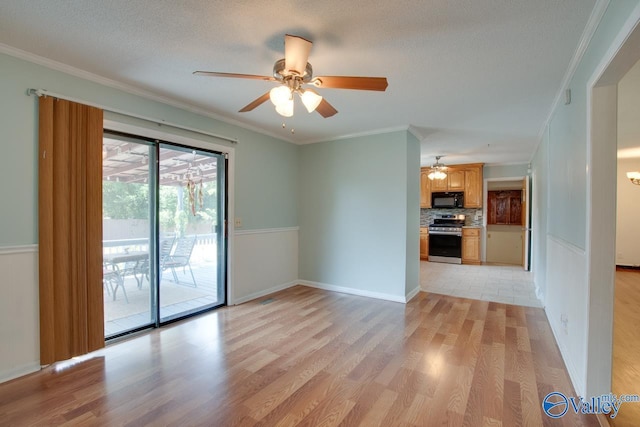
<point x="233" y="75"/>
<point x="345" y="82"/>
<point x="255" y="103"/>
<point x="296" y="53"/>
<point x="325" y="109"/>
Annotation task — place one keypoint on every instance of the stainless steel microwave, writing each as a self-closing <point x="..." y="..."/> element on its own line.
<point x="447" y="200"/>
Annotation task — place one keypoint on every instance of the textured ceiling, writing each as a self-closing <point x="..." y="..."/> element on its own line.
<point x="475" y="79"/>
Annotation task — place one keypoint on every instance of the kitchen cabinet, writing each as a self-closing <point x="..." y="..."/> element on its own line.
<point x="473" y="186"/>
<point x="471" y="246"/>
<point x="425" y="188"/>
<point x="439" y="184"/>
<point x="424" y="243"/>
<point x="453" y="182"/>
<point x="456" y="179"/>
<point x="504" y="207"/>
<point x="465" y="178"/>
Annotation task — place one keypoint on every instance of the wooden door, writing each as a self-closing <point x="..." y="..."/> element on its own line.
<point x="504" y="207"/>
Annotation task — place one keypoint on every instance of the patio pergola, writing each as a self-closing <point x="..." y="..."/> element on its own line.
<point x="128" y="162"/>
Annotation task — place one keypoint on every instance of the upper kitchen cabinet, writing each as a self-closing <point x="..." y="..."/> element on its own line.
<point x="439" y="184"/>
<point x="425" y="189"/>
<point x="473" y="186"/>
<point x="453" y="182"/>
<point x="456" y="180"/>
<point x="465" y="178"/>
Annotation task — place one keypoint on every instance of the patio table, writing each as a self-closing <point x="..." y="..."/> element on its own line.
<point x="134" y="263"/>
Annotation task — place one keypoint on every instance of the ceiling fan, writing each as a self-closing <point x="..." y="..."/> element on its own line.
<point x="292" y="72"/>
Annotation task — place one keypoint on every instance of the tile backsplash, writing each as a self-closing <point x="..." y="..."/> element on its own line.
<point x="427" y="215"/>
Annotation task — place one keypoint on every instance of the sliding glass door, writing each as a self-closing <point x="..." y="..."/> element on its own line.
<point x="164" y="251"/>
<point x="191" y="200"/>
<point x="128" y="231"/>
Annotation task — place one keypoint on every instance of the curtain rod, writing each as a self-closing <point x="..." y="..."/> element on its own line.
<point x="44" y="92"/>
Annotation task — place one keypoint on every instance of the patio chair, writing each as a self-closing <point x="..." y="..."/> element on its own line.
<point x="180" y="258"/>
<point x="166" y="245"/>
<point x="140" y="269"/>
<point x="112" y="280"/>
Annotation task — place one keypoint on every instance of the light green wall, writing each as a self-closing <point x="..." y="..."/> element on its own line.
<point x="505" y="171"/>
<point x="568" y="136"/>
<point x="353" y="213"/>
<point x="266" y="168"/>
<point x="413" y="214"/>
<point x="560" y="166"/>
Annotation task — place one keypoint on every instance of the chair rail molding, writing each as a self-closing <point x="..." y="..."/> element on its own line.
<point x="18" y="249"/>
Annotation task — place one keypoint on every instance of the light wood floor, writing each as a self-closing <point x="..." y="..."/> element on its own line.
<point x="626" y="345"/>
<point x="313" y="358"/>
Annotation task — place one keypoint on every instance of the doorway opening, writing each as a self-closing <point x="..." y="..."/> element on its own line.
<point x="507" y="213"/>
<point x="605" y="362"/>
<point x="626" y="335"/>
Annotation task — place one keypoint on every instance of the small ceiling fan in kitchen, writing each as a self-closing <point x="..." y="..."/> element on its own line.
<point x="294" y="74"/>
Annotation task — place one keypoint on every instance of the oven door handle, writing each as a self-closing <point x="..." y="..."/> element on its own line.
<point x="445" y="233"/>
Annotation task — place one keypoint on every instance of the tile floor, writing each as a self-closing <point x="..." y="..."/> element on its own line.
<point x="497" y="283"/>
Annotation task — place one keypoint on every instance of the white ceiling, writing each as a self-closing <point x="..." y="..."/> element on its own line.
<point x="474" y="79"/>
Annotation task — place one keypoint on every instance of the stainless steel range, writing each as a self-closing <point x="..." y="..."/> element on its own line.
<point x="445" y="239"/>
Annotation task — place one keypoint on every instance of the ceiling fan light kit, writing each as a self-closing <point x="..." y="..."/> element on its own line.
<point x="285" y="109"/>
<point x="282" y="98"/>
<point x="292" y="72"/>
<point x="280" y="95"/>
<point x="311" y="100"/>
<point x="437" y="170"/>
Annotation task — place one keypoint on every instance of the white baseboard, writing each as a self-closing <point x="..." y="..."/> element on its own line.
<point x="412" y="294"/>
<point x="352" y="291"/>
<point x="19" y="371"/>
<point x="326" y="287"/>
<point x="264" y="292"/>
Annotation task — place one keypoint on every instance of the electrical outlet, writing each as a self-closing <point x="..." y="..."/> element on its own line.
<point x="238" y="223"/>
<point x="564" y="319"/>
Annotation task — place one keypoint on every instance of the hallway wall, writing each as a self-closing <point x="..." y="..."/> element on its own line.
<point x="561" y="164"/>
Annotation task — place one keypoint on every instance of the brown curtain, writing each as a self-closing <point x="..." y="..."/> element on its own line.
<point x="70" y="229"/>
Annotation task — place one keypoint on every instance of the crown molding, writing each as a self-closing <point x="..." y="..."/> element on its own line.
<point x="415" y="132"/>
<point x="130" y="89"/>
<point x="359" y="134"/>
<point x="590" y="28"/>
<point x="508" y="164"/>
